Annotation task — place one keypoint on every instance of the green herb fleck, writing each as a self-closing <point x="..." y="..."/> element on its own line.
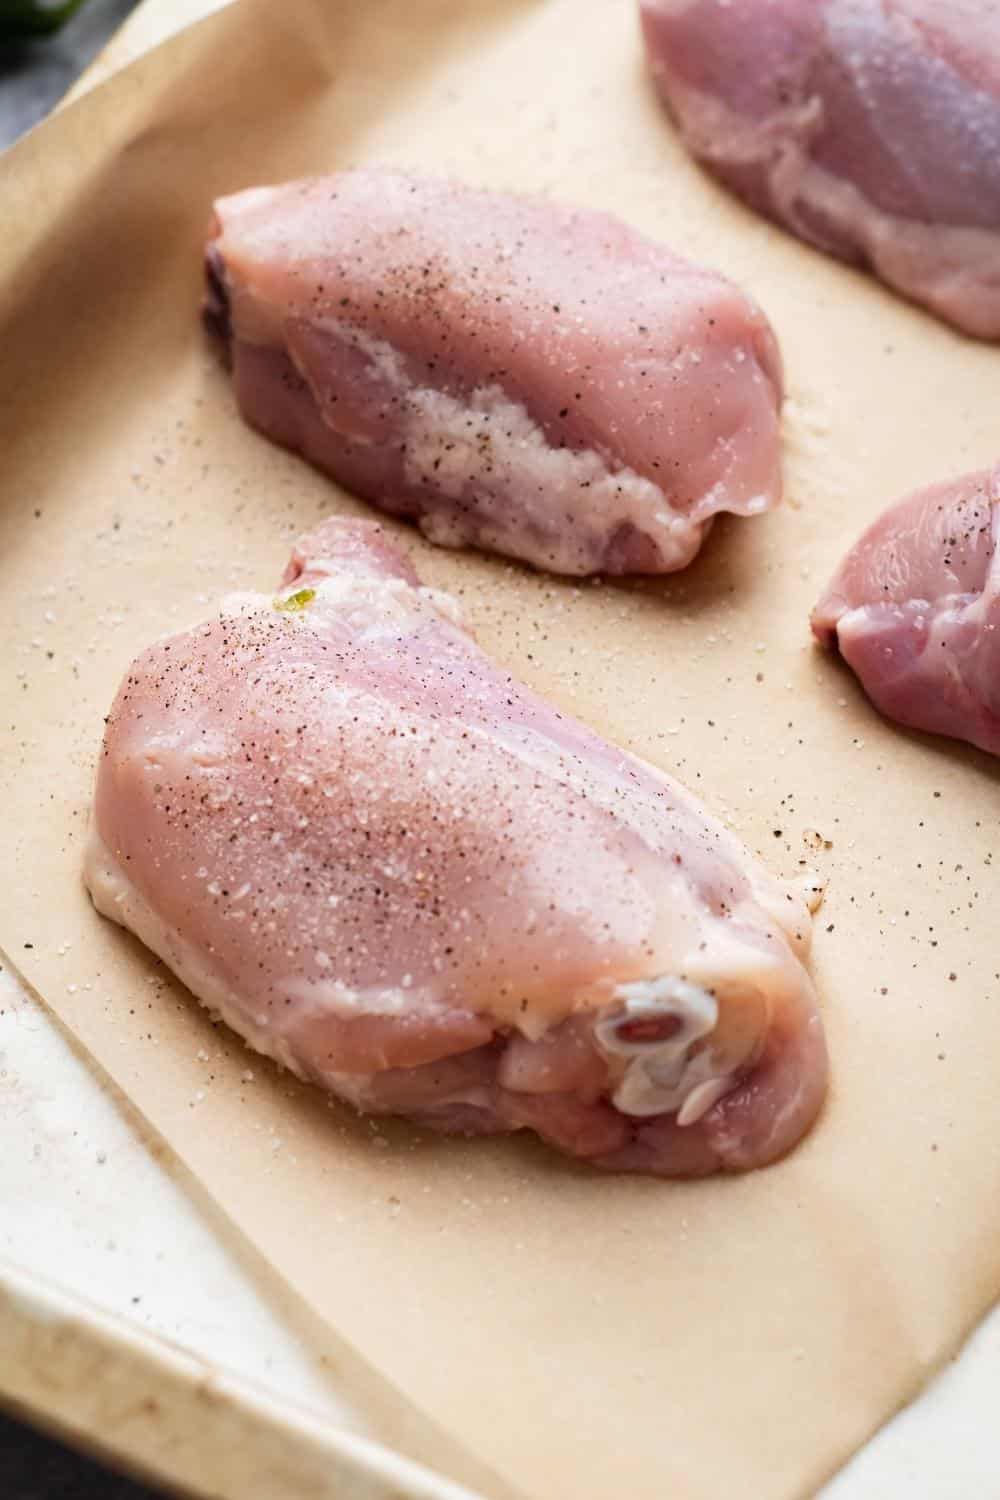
<point x="296" y="601"/>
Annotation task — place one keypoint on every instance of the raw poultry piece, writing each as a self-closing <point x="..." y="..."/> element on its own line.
<point x="915" y="607"/>
<point x="391" y="867"/>
<point x="512" y="374"/>
<point x="871" y="128"/>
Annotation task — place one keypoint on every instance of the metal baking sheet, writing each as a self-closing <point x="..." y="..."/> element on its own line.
<point x="29" y="1299"/>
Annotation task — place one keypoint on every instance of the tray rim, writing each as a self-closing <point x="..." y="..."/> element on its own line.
<point x="117" y="1391"/>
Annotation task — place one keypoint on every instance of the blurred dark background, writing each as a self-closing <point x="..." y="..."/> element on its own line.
<point x="33" y="1467"/>
<point x="35" y="72"/>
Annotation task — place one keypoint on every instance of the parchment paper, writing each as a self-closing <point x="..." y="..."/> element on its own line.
<point x="581" y="1336"/>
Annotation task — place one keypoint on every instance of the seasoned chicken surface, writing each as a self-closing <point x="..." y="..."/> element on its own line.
<point x="914" y="609"/>
<point x="394" y="869"/>
<point x="513" y="374"/>
<point x="871" y="128"/>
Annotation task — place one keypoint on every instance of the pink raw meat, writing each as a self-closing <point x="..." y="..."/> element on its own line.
<point x="512" y="374"/>
<point x="394" y="869"/>
<point x="915" y="610"/>
<point x="871" y="128"/>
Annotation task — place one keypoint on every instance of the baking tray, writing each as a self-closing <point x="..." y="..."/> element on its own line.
<point x="144" y="1315"/>
<point x="180" y="1418"/>
<point x="133" y="1319"/>
<point x="165" y="1414"/>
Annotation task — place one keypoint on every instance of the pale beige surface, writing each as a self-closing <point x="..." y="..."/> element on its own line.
<point x="584" y="1336"/>
<point x="149" y="24"/>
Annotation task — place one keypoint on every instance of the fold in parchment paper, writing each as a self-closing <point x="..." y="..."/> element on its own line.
<point x="577" y="1335"/>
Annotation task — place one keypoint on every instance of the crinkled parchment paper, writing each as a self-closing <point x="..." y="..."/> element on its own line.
<point x="579" y="1336"/>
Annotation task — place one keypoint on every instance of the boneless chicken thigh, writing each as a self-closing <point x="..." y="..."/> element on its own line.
<point x="512" y="374"/>
<point x="871" y="128"/>
<point x="914" y="609"/>
<point x="390" y="866"/>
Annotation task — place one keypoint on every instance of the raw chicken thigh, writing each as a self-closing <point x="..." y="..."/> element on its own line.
<point x="915" y="606"/>
<point x="869" y="127"/>
<point x="400" y="873"/>
<point x="513" y="375"/>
